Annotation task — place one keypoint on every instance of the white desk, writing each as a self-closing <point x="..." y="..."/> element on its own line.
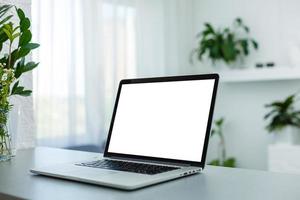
<point x="216" y="183"/>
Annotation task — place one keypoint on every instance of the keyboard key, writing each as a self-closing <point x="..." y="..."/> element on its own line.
<point x="134" y="167"/>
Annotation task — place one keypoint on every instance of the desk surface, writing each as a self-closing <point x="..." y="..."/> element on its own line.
<point x="214" y="183"/>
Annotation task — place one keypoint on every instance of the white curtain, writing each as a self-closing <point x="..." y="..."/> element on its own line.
<point x="87" y="46"/>
<point x="83" y="54"/>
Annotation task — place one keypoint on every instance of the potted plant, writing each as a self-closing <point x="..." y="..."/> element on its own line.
<point x="226" y="45"/>
<point x="15" y="45"/>
<point x="222" y="160"/>
<point x="284" y="120"/>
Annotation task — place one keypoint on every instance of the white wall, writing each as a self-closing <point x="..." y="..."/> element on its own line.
<point x="275" y="25"/>
<point x="22" y="124"/>
<point x="164" y="36"/>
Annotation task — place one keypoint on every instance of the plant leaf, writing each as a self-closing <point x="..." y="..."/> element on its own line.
<point x="220" y="121"/>
<point x="23" y="52"/>
<point x="8" y="27"/>
<point x="8" y="33"/>
<point x="20" y="13"/>
<point x="14" y="57"/>
<point x="14" y="36"/>
<point x="254" y="43"/>
<point x="18" y="70"/>
<point x="24" y="24"/>
<point x="31" y="46"/>
<point x="29" y="66"/>
<point x="25" y="93"/>
<point x="14" y="87"/>
<point x="19" y="90"/>
<point x="4" y="59"/>
<point x="3" y="36"/>
<point x="4" y="9"/>
<point x="238" y="20"/>
<point x="5" y="19"/>
<point x="215" y="162"/>
<point x="22" y="68"/>
<point x="213" y="132"/>
<point x="16" y="28"/>
<point x="209" y="28"/>
<point x="230" y="162"/>
<point x="246" y="28"/>
<point x="25" y="38"/>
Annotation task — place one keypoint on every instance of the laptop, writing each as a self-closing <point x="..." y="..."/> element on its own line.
<point x="159" y="131"/>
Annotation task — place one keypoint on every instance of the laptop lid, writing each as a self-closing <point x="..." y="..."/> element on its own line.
<point x="164" y="119"/>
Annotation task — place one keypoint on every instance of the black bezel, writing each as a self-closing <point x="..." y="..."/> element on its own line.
<point x="166" y="79"/>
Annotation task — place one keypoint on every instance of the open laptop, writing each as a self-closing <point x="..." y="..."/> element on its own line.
<point x="159" y="131"/>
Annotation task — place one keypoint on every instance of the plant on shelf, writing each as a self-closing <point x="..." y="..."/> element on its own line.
<point x="15" y="45"/>
<point x="282" y="114"/>
<point x="222" y="160"/>
<point x="224" y="44"/>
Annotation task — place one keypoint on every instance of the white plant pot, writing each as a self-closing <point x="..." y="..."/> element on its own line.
<point x="223" y="66"/>
<point x="288" y="135"/>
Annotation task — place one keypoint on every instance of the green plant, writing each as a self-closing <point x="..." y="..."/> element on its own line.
<point x="15" y="45"/>
<point x="282" y="114"/>
<point x="227" y="44"/>
<point x="222" y="160"/>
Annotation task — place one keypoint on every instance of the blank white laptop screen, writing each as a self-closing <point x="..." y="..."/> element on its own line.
<point x="165" y="119"/>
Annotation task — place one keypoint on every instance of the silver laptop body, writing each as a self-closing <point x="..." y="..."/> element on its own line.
<point x="159" y="123"/>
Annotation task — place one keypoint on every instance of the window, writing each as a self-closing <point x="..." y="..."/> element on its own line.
<point x="86" y="47"/>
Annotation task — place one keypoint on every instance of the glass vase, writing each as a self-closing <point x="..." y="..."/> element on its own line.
<point x="5" y="137"/>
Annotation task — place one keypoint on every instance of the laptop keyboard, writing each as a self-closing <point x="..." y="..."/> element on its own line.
<point x="134" y="167"/>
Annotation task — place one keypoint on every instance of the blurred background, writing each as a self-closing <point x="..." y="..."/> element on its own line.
<point x="87" y="46"/>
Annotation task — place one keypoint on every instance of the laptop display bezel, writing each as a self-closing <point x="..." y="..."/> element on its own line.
<point x="165" y="79"/>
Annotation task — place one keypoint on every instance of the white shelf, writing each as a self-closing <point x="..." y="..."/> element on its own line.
<point x="259" y="74"/>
